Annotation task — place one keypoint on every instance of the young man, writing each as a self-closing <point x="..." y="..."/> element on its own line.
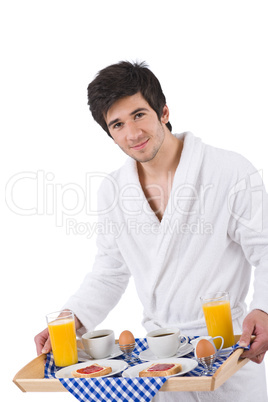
<point x="185" y="222"/>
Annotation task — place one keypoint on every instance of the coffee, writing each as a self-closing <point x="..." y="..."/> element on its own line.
<point x="158" y="336"/>
<point x="98" y="336"/>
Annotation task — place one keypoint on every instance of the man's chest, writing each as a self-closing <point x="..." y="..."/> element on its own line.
<point x="157" y="194"/>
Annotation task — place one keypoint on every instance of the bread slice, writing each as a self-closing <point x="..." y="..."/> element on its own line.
<point x="161" y="370"/>
<point x="94" y="370"/>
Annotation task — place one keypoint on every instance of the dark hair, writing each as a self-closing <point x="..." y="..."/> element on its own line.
<point x="124" y="79"/>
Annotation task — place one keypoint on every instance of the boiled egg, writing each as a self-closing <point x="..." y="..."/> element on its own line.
<point x="204" y="349"/>
<point x="126" y="338"/>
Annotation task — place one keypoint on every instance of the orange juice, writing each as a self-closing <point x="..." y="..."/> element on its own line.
<point x="63" y="341"/>
<point x="219" y="321"/>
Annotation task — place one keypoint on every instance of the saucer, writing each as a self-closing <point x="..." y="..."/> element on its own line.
<point x="83" y="356"/>
<point x="149" y="356"/>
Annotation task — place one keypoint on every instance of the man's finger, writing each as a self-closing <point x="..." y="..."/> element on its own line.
<point x="47" y="346"/>
<point x="245" y="338"/>
<point x="256" y="359"/>
<point x="256" y="350"/>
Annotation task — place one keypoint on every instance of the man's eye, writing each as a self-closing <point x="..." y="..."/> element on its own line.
<point x="117" y="125"/>
<point x="139" y="115"/>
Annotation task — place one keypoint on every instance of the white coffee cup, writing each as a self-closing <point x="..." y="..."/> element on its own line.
<point x="195" y="341"/>
<point x="99" y="344"/>
<point x="165" y="342"/>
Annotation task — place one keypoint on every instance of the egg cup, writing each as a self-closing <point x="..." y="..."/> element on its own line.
<point x="207" y="363"/>
<point x="127" y="350"/>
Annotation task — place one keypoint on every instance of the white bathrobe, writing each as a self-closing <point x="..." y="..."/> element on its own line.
<point x="215" y="227"/>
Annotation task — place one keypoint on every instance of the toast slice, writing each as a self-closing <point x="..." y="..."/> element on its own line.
<point x="161" y="370"/>
<point x="94" y="370"/>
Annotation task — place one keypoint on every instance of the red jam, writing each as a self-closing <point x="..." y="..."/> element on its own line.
<point x="161" y="367"/>
<point x="90" y="369"/>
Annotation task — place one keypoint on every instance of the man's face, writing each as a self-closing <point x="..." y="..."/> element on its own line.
<point x="135" y="127"/>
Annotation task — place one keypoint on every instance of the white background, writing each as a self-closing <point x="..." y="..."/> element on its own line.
<point x="211" y="59"/>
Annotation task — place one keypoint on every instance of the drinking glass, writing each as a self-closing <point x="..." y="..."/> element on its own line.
<point x="217" y="312"/>
<point x="61" y="327"/>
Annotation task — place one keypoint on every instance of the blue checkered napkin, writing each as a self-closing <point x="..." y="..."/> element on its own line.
<point x="50" y="368"/>
<point x="113" y="389"/>
<point x="141" y="344"/>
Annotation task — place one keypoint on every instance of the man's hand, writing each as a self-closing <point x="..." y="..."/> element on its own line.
<point x="42" y="340"/>
<point x="255" y="323"/>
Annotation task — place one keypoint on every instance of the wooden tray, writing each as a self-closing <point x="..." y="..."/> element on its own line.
<point x="31" y="377"/>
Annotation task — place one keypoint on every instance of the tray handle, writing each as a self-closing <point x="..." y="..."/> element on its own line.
<point x="230" y="366"/>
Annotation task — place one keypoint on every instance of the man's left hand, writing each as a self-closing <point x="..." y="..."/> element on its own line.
<point x="255" y="323"/>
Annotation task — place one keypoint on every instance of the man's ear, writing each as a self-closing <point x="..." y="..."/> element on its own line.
<point x="165" y="115"/>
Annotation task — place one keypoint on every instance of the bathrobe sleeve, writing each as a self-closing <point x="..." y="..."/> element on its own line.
<point x="103" y="287"/>
<point x="248" y="226"/>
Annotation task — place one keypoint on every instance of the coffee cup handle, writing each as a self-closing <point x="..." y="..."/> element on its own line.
<point x="222" y="341"/>
<point x="185" y="341"/>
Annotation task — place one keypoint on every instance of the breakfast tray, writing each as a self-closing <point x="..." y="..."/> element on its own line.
<point x="31" y="377"/>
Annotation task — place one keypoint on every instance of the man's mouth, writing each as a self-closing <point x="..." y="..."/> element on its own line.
<point x="141" y="145"/>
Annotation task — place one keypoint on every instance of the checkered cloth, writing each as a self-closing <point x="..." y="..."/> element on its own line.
<point x="118" y="388"/>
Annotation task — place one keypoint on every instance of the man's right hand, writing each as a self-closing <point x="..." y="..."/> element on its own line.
<point x="42" y="342"/>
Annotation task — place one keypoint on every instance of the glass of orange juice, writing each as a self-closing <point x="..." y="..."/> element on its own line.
<point x="217" y="312"/>
<point x="61" y="327"/>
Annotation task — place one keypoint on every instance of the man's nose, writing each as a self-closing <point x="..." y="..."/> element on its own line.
<point x="133" y="130"/>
